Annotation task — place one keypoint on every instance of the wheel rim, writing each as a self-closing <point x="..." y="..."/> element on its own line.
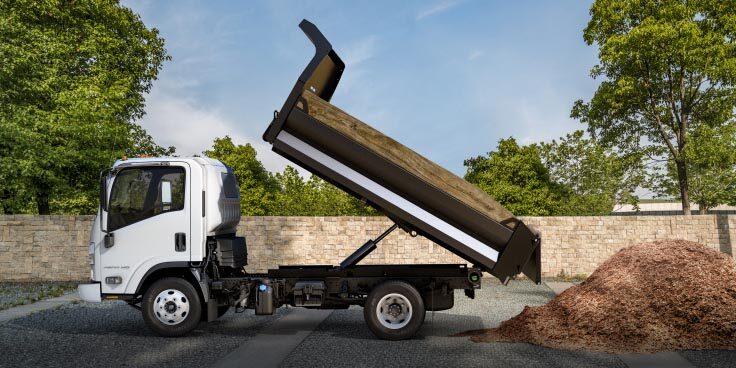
<point x="394" y="311"/>
<point x="171" y="307"/>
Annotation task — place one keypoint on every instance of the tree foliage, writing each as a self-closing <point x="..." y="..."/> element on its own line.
<point x="314" y="197"/>
<point x="595" y="178"/>
<point x="516" y="177"/>
<point x="572" y="176"/>
<point x="72" y="82"/>
<point x="257" y="186"/>
<point x="669" y="71"/>
<point x="711" y="160"/>
<point x="285" y="193"/>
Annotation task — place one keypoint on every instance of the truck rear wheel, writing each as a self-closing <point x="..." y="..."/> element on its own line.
<point x="394" y="310"/>
<point x="171" y="307"/>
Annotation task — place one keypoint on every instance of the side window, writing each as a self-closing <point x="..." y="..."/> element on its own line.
<point x="142" y="192"/>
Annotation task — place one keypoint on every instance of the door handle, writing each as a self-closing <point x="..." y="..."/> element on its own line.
<point x="180" y="242"/>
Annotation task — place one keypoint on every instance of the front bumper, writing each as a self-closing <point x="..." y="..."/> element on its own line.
<point x="90" y="292"/>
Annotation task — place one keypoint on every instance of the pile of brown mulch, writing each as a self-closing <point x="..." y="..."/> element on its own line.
<point x="665" y="295"/>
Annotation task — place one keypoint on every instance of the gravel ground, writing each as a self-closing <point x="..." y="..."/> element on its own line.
<point x="18" y="293"/>
<point x="710" y="358"/>
<point x="345" y="331"/>
<point x="112" y="334"/>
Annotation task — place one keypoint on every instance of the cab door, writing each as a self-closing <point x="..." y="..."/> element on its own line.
<point x="147" y="224"/>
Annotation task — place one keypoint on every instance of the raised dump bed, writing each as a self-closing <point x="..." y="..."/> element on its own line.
<point x="413" y="191"/>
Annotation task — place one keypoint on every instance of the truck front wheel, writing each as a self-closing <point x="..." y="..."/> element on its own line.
<point x="171" y="307"/>
<point x="394" y="310"/>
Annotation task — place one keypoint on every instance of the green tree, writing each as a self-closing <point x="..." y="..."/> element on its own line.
<point x="293" y="197"/>
<point x="72" y="82"/>
<point x="314" y="197"/>
<point x="516" y="177"/>
<point x="596" y="177"/>
<point x="335" y="202"/>
<point x="140" y="143"/>
<point x="285" y="193"/>
<point x="258" y="188"/>
<point x="711" y="158"/>
<point x="669" y="68"/>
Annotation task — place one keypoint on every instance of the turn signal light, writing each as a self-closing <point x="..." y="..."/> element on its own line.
<point x="114" y="280"/>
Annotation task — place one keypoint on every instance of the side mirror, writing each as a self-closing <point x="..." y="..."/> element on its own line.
<point x="109" y="240"/>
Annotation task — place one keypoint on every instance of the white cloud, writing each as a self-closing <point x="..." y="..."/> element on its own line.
<point x="475" y="54"/>
<point x="438" y="8"/>
<point x="179" y="122"/>
<point x="354" y="54"/>
<point x="359" y="51"/>
<point x="541" y="117"/>
<point x="360" y="102"/>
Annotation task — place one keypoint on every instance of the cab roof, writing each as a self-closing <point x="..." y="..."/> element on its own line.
<point x="144" y="160"/>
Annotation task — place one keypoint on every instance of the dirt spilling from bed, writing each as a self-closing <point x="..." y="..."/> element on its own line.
<point x="665" y="295"/>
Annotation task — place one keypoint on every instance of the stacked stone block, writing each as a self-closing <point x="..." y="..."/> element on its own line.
<point x="35" y="248"/>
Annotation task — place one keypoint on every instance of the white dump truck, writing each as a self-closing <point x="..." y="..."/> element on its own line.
<point x="164" y="239"/>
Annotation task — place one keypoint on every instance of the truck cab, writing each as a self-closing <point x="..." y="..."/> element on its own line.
<point x="156" y="216"/>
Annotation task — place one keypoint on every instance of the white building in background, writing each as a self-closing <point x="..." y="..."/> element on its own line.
<point x="666" y="207"/>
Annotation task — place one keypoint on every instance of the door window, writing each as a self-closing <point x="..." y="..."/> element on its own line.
<point x="139" y="193"/>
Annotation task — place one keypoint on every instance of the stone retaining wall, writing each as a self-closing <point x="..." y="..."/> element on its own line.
<point x="55" y="247"/>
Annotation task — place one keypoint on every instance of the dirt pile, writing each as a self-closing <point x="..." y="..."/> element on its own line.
<point x="664" y="295"/>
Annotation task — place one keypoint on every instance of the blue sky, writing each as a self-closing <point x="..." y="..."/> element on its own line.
<point x="447" y="78"/>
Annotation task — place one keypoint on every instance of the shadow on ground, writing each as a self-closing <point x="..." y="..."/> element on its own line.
<point x="114" y="334"/>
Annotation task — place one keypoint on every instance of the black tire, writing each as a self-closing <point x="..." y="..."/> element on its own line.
<point x="221" y="310"/>
<point x="416" y="305"/>
<point x="191" y="318"/>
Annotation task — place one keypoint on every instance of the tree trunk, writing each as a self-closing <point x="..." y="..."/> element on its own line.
<point x="684" y="194"/>
<point x="7" y="210"/>
<point x="702" y="210"/>
<point x="42" y="202"/>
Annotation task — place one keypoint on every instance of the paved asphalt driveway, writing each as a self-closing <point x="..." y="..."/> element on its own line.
<point x="113" y="334"/>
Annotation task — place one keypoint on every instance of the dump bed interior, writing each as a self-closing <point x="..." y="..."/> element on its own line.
<point x="452" y="187"/>
<point x="413" y="191"/>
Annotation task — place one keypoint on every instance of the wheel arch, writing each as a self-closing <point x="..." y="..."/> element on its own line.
<point x="426" y="291"/>
<point x="170" y="269"/>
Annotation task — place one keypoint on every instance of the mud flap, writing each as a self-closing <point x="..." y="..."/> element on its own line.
<point x="211" y="310"/>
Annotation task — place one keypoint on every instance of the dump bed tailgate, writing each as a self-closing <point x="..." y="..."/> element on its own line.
<point x="416" y="193"/>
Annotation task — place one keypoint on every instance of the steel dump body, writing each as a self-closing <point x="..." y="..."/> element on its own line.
<point x="413" y="191"/>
